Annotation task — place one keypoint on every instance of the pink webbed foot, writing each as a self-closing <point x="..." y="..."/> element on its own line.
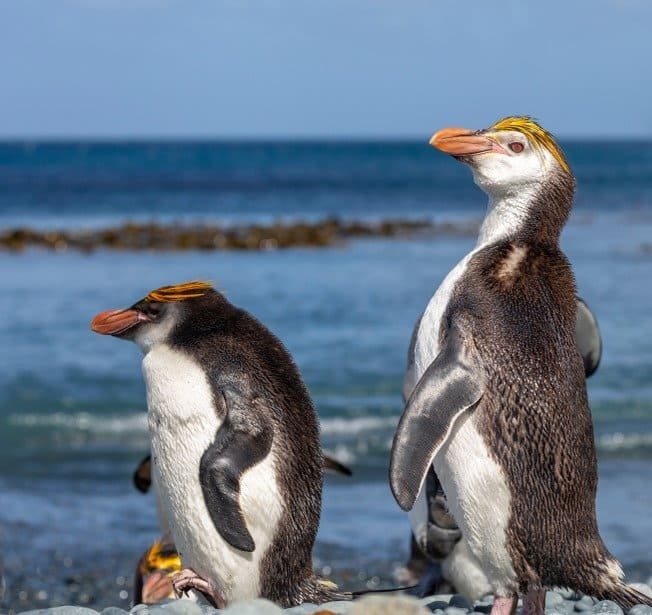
<point x="534" y="602"/>
<point x="504" y="606"/>
<point x="188" y="579"/>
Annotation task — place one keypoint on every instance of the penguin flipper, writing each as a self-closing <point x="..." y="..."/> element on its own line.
<point x="452" y="384"/>
<point x="587" y="334"/>
<point x="142" y="477"/>
<point x="240" y="444"/>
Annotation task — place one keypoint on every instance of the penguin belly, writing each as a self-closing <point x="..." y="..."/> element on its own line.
<point x="475" y="486"/>
<point x="183" y="422"/>
<point x="479" y="499"/>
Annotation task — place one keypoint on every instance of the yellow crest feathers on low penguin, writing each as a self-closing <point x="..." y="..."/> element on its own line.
<point x="538" y="136"/>
<point x="180" y="292"/>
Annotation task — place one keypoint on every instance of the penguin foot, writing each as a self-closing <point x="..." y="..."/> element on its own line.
<point x="504" y="606"/>
<point x="188" y="579"/>
<point x="534" y="602"/>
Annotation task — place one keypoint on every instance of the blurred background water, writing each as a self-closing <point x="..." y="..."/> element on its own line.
<point x="72" y="404"/>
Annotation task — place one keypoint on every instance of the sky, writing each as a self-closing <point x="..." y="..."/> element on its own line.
<point x="264" y="69"/>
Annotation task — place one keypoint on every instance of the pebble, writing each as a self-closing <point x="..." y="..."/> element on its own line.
<point x="607" y="606"/>
<point x="483" y="606"/>
<point x="62" y="610"/>
<point x="460" y="602"/>
<point x="253" y="607"/>
<point x="558" y="602"/>
<point x="585" y="603"/>
<point x="553" y="599"/>
<point x="644" y="588"/>
<point x="388" y="605"/>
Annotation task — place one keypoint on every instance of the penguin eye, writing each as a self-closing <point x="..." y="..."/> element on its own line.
<point x="152" y="309"/>
<point x="516" y="147"/>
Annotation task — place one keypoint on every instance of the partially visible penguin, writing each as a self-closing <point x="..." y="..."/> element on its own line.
<point x="500" y="409"/>
<point x="235" y="445"/>
<point x="439" y="561"/>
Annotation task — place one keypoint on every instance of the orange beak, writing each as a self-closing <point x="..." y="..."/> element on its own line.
<point x="115" y="322"/>
<point x="463" y="142"/>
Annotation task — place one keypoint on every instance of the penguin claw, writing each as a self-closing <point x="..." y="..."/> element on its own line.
<point x="187" y="579"/>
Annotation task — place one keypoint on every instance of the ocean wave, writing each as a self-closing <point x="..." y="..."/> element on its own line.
<point x="619" y="441"/>
<point x="342" y="426"/>
<point x="83" y="422"/>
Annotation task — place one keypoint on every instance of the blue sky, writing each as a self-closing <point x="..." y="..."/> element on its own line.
<point x="325" y="68"/>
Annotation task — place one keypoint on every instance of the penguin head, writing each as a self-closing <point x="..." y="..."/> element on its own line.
<point x="515" y="155"/>
<point x="151" y="320"/>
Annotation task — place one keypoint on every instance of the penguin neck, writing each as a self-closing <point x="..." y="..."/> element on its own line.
<point x="535" y="215"/>
<point x="507" y="218"/>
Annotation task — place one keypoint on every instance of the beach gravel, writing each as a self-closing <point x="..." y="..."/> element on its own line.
<point x="559" y="602"/>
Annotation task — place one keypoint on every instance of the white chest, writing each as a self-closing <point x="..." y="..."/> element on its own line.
<point x="426" y="347"/>
<point x="475" y="486"/>
<point x="183" y="423"/>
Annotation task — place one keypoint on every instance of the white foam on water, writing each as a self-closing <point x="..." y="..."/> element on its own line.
<point x="351" y="426"/>
<point x="624" y="441"/>
<point x="84" y="422"/>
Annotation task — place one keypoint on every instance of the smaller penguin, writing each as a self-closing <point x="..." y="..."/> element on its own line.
<point x="160" y="562"/>
<point x="236" y="456"/>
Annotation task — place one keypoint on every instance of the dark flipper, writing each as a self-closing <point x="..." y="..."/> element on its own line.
<point x="588" y="337"/>
<point x="142" y="477"/>
<point x="334" y="466"/>
<point x="240" y="444"/>
<point x="451" y="385"/>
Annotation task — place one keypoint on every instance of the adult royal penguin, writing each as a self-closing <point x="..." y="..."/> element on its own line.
<point x="160" y="562"/>
<point x="439" y="559"/>
<point x="235" y="446"/>
<point x="500" y="407"/>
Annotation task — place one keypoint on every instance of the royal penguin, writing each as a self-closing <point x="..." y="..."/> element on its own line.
<point x="439" y="561"/>
<point x="236" y="457"/>
<point x="159" y="563"/>
<point x="500" y="407"/>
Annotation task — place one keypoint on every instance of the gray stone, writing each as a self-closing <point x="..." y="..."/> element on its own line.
<point x="454" y="610"/>
<point x="336" y="606"/>
<point x="437" y="605"/>
<point x="461" y="602"/>
<point x="62" y="610"/>
<point x="640" y="609"/>
<point x="253" y="607"/>
<point x="643" y="588"/>
<point x="114" y="610"/>
<point x="181" y="607"/>
<point x="388" y="605"/>
<point x="303" y="609"/>
<point x="585" y="603"/>
<point x="141" y="609"/>
<point x="607" y="606"/>
<point x="567" y="594"/>
<point x="553" y="599"/>
<point x="483" y="606"/>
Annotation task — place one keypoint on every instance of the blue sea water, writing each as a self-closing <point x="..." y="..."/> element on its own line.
<point x="72" y="405"/>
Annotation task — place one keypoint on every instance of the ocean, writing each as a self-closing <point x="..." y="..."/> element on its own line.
<point x="72" y="404"/>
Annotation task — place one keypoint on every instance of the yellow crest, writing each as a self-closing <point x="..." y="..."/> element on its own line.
<point x="538" y="137"/>
<point x="160" y="558"/>
<point x="179" y="292"/>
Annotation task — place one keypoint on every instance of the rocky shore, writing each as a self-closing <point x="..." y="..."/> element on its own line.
<point x="559" y="602"/>
<point x="133" y="236"/>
